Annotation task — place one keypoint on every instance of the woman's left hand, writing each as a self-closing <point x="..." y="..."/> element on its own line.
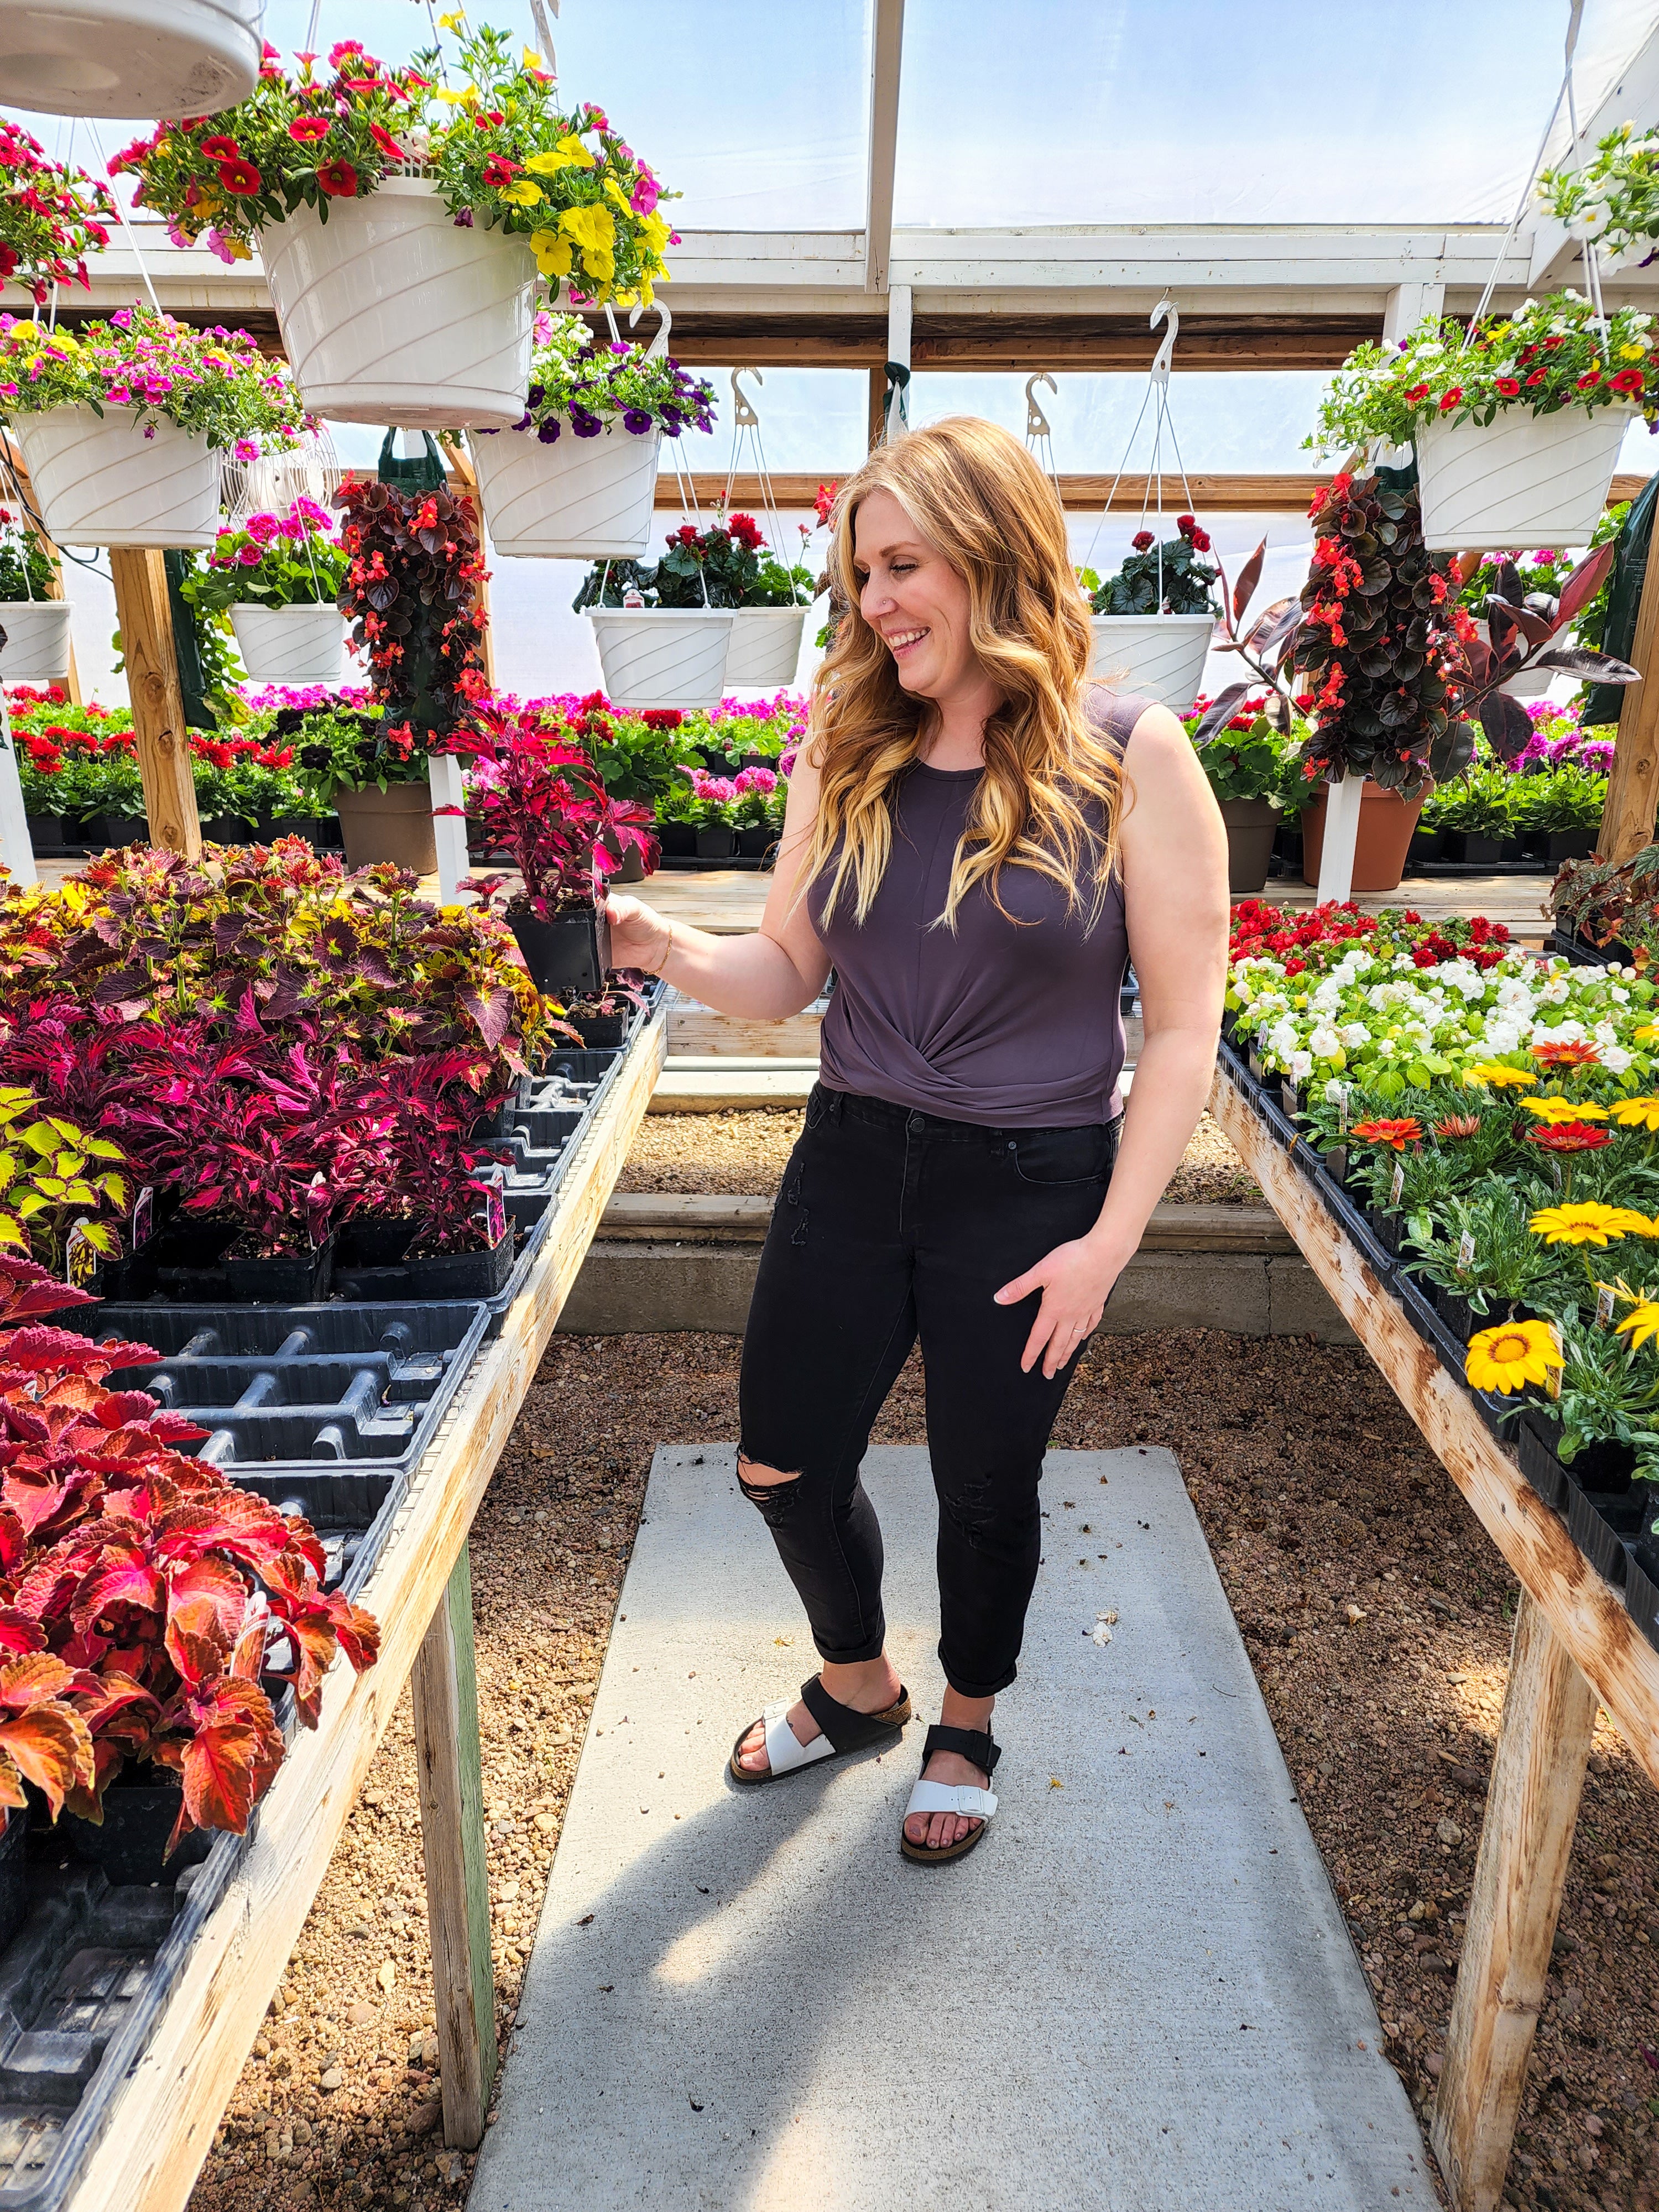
<point x="1076" y="1280"/>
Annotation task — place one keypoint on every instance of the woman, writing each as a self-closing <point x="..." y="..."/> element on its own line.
<point x="976" y="839"/>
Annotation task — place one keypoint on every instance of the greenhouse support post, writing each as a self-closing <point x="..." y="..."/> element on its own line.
<point x="158" y="706"/>
<point x="449" y="830"/>
<point x="1627" y="816"/>
<point x="450" y="1776"/>
<point x="16" y="849"/>
<point x="1526" y="1841"/>
<point x="1341" y="833"/>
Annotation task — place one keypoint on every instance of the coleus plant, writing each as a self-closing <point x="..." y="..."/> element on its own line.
<point x="143" y="1597"/>
<point x="540" y="801"/>
<point x="415" y="562"/>
<point x="428" y="1172"/>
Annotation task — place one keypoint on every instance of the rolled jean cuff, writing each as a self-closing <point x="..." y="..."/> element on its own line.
<point x="871" y="1648"/>
<point x="964" y="1688"/>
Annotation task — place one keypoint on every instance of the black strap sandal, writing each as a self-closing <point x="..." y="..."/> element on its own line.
<point x="976" y="1746"/>
<point x="843" y="1730"/>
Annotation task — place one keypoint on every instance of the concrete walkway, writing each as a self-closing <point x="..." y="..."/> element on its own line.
<point x="1136" y="1995"/>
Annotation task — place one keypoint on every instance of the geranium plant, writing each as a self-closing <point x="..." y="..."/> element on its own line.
<point x="214" y="383"/>
<point x="728" y="564"/>
<point x="288" y="560"/>
<point x="1173" y="578"/>
<point x="1549" y="354"/>
<point x="50" y="216"/>
<point x="539" y="802"/>
<point x="492" y="135"/>
<point x="414" y="566"/>
<point x="578" y="382"/>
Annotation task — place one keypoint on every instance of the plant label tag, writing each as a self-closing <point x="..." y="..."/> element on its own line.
<point x="1558" y="1366"/>
<point x="1398" y="1184"/>
<point x="1555" y="1173"/>
<point x="494" y="1214"/>
<point x="1291" y="1095"/>
<point x="80" y="1261"/>
<point x="143" y="1225"/>
<point x="1603" y="1305"/>
<point x="1466" y="1252"/>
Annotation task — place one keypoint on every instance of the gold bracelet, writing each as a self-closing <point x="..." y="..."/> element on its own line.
<point x="668" y="943"/>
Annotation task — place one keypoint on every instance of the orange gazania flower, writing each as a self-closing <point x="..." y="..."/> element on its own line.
<point x="1569" y="1137"/>
<point x="1396" y="1134"/>
<point x="1572" y="1055"/>
<point x="1458" y="1125"/>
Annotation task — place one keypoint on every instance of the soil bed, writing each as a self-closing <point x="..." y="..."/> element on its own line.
<point x="1316" y="1494"/>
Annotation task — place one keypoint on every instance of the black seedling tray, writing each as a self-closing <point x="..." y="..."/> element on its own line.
<point x="287" y="1390"/>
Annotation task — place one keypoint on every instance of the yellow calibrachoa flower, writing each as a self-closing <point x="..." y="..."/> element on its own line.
<point x="1589" y="1222"/>
<point x="1640" y="1322"/>
<point x="452" y="22"/>
<point x="1555" y="1111"/>
<point x="614" y="193"/>
<point x="555" y="256"/>
<point x="1637" y="1114"/>
<point x="523" y="191"/>
<point x="568" y="154"/>
<point x="1494" y="1071"/>
<point x="1508" y="1356"/>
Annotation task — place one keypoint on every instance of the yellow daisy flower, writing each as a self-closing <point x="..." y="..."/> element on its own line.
<point x="1638" y="1114"/>
<point x="1494" y="1071"/>
<point x="1647" y="1034"/>
<point x="1640" y="1322"/>
<point x="1589" y="1223"/>
<point x="1513" y="1354"/>
<point x="1555" y="1111"/>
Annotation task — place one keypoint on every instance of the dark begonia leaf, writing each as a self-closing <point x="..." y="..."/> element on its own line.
<point x="1579" y="660"/>
<point x="1585" y="580"/>
<point x="1220" y="712"/>
<point x="1507" y="724"/>
<point x="1452" y="751"/>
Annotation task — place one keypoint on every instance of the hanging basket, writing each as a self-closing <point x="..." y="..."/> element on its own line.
<point x="765" y="648"/>
<point x="578" y="499"/>
<point x="1158" y="657"/>
<point x="662" y="656"/>
<point x="391" y="313"/>
<point x="100" y="480"/>
<point x="1533" y="685"/>
<point x="290" y="645"/>
<point x="37" y="647"/>
<point x="1523" y="480"/>
<point x="166" y="58"/>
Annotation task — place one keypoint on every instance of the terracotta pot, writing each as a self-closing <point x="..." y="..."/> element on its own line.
<point x="393" y="824"/>
<point x="1252" y="825"/>
<point x="1386" y="823"/>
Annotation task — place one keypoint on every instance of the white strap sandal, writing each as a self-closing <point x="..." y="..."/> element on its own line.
<point x="962" y="1798"/>
<point x="841" y="1730"/>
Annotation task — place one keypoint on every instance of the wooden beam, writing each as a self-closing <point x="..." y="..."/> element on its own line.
<point x="158" y="706"/>
<point x="161" y="2126"/>
<point x="1526" y="1840"/>
<point x="886" y="60"/>
<point x="878" y="424"/>
<point x="1627" y="813"/>
<point x="445" y="1687"/>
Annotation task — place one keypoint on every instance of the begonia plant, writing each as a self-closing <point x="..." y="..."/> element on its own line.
<point x="1172" y="578"/>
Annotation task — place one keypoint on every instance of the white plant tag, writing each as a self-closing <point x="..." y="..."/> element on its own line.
<point x="1398" y="1184"/>
<point x="1466" y="1252"/>
<point x="1603" y="1305"/>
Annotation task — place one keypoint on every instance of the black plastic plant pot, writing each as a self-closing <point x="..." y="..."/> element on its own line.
<point x="1459" y="1315"/>
<point x="373" y="1240"/>
<point x="678" y="840"/>
<point x="1425" y="845"/>
<point x="1641" y="1580"/>
<point x="1387" y="1228"/>
<point x="1600" y="1522"/>
<point x="130" y="1846"/>
<point x="1472" y="849"/>
<point x="496" y="1123"/>
<point x="45" y="831"/>
<point x="226" y="829"/>
<point x="600" y="1032"/>
<point x="1570" y="845"/>
<point x="14" y="1875"/>
<point x="194" y="1240"/>
<point x="755" y="843"/>
<point x="1535" y="1438"/>
<point x="717" y="841"/>
<point x="289" y="1279"/>
<point x="99" y="832"/>
<point x="462" y="1274"/>
<point x="567" y="956"/>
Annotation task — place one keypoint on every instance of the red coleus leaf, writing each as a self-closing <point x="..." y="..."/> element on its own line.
<point x="14" y="1543"/>
<point x="248" y="1527"/>
<point x="197" y="1642"/>
<point x="232" y="1755"/>
<point x="20" y="1631"/>
<point x="47" y="1742"/>
<point x="218" y="1584"/>
<point x="65" y="1350"/>
<point x="122" y="1576"/>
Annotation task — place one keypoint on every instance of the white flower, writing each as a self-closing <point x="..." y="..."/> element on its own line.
<point x="1301" y="1065"/>
<point x="1353" y="1035"/>
<point x="1556" y="992"/>
<point x="1615" y="1057"/>
<point x="1323" y="1041"/>
<point x="1335" y="1093"/>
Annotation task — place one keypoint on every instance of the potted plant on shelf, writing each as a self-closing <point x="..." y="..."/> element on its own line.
<point x="577" y="476"/>
<point x="402" y="224"/>
<point x="371" y="773"/>
<point x="539" y="801"/>
<point x="1153" y="620"/>
<point x="432" y="1207"/>
<point x="1244" y="761"/>
<point x="123" y="425"/>
<point x="49" y="216"/>
<point x="279" y="577"/>
<point x="1516" y="423"/>
<point x="36" y="626"/>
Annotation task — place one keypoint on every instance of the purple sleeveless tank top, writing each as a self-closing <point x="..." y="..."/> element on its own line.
<point x="1012" y="1024"/>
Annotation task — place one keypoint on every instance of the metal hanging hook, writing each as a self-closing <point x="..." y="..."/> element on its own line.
<point x="1037" y="422"/>
<point x="658" y="346"/>
<point x="1166" y="308"/>
<point x="744" y="416"/>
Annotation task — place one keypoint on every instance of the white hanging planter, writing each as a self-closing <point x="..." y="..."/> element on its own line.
<point x="37" y="647"/>
<point x="166" y="58"/>
<point x="578" y="499"/>
<point x="290" y="645"/>
<point x="1525" y="479"/>
<point x="392" y="313"/>
<point x="1533" y="685"/>
<point x="1159" y="656"/>
<point x="100" y="480"/>
<point x="765" y="648"/>
<point x="662" y="656"/>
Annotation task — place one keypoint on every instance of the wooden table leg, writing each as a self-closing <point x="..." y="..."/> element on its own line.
<point x="1532" y="1808"/>
<point x="445" y="1685"/>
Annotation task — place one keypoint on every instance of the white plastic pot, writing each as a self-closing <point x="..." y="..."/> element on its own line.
<point x="166" y="57"/>
<point x="1532" y="685"/>
<point x="37" y="647"/>
<point x="765" y="648"/>
<point x="391" y="313"/>
<point x="290" y="645"/>
<point x="1523" y="480"/>
<point x="1159" y="656"/>
<point x="100" y="480"/>
<point x="662" y="656"/>
<point x="578" y="498"/>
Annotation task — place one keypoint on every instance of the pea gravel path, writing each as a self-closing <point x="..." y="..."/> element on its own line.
<point x="1314" y="1491"/>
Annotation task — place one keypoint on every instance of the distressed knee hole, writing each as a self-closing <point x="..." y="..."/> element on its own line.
<point x="769" y="1487"/>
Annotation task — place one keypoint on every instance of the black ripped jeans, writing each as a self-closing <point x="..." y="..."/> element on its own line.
<point x="891" y="1225"/>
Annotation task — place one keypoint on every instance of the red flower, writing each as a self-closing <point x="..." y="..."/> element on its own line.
<point x="384" y="139"/>
<point x="241" y="178"/>
<point x="338" y="179"/>
<point x="307" y="130"/>
<point x="1554" y="339"/>
<point x="1628" y="380"/>
<point x="1509" y="386"/>
<point x="1417" y="392"/>
<point x="221" y="149"/>
<point x="1141" y="540"/>
<point x="1569" y="1137"/>
<point x="1537" y="377"/>
<point x="1449" y="399"/>
<point x="498" y="171"/>
<point x="1201" y="541"/>
<point x="1394" y="1135"/>
<point x="1589" y="379"/>
<point x="1186" y="524"/>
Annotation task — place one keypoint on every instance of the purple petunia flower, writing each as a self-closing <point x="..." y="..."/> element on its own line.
<point x="636" y="420"/>
<point x="584" y="424"/>
<point x="549" y="431"/>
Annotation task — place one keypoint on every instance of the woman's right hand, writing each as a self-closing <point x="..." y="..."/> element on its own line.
<point x="640" y="937"/>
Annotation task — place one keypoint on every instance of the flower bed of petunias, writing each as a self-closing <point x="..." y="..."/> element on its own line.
<point x="753" y="799"/>
<point x="215" y="384"/>
<point x="273" y="1043"/>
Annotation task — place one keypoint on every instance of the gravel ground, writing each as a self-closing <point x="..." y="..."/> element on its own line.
<point x="1318" y="1497"/>
<point x="744" y="1154"/>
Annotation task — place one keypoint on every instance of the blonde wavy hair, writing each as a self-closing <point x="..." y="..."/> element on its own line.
<point x="1052" y="793"/>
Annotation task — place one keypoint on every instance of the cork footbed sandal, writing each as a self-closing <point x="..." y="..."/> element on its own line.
<point x="842" y="1730"/>
<point x="960" y="1797"/>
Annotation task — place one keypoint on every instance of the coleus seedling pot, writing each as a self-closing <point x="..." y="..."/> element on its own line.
<point x="567" y="956"/>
